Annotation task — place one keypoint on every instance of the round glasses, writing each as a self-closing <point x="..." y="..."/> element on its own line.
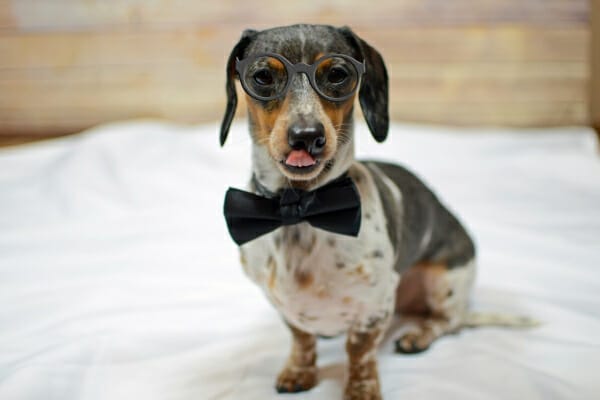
<point x="265" y="77"/>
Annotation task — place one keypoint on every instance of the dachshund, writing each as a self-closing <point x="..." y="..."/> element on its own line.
<point x="410" y="256"/>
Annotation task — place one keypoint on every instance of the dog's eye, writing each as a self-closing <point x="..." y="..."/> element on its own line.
<point x="263" y="77"/>
<point x="337" y="75"/>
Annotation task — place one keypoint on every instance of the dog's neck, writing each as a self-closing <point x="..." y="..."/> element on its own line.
<point x="266" y="173"/>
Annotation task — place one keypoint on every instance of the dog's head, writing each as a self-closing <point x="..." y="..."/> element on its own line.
<point x="300" y="83"/>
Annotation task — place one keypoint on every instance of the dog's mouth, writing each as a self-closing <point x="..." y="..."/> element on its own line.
<point x="300" y="159"/>
<point x="300" y="162"/>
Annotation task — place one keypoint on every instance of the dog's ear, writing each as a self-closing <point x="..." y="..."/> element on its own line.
<point x="237" y="52"/>
<point x="373" y="94"/>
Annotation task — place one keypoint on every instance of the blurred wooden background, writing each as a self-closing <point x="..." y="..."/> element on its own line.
<point x="69" y="64"/>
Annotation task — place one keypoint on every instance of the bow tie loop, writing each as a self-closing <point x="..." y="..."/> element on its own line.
<point x="290" y="207"/>
<point x="295" y="205"/>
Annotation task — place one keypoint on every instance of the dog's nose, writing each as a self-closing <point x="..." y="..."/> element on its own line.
<point x="307" y="137"/>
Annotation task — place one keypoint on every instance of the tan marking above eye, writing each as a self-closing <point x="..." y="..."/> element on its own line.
<point x="325" y="64"/>
<point x="275" y="64"/>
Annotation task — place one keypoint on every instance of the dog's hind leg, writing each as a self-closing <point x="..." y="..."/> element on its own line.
<point x="300" y="371"/>
<point x="432" y="300"/>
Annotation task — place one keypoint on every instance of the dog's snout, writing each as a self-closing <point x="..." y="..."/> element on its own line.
<point x="307" y="137"/>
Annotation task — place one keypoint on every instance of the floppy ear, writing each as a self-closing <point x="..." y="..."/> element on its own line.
<point x="373" y="94"/>
<point x="237" y="52"/>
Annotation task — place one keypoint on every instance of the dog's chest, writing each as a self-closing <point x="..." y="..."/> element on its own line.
<point x="323" y="282"/>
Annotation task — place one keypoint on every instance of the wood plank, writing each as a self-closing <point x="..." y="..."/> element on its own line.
<point x="197" y="74"/>
<point x="149" y="74"/>
<point x="15" y="139"/>
<point x="523" y="113"/>
<point x="501" y="44"/>
<point x="594" y="91"/>
<point x="46" y="122"/>
<point x="487" y="91"/>
<point x="211" y="47"/>
<point x="62" y="50"/>
<point x="161" y="96"/>
<point x="81" y="15"/>
<point x="180" y="103"/>
<point x="467" y="114"/>
<point x="82" y="105"/>
<point x="519" y="114"/>
<point x="484" y="69"/>
<point x="68" y="64"/>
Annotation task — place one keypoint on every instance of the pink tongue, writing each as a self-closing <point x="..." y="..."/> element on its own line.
<point x="300" y="158"/>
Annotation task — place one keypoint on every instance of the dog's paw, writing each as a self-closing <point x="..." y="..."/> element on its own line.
<point x="367" y="389"/>
<point x="296" y="379"/>
<point x="413" y="343"/>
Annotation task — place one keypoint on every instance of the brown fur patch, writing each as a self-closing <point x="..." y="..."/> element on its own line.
<point x="426" y="310"/>
<point x="338" y="113"/>
<point x="411" y="294"/>
<point x="322" y="292"/>
<point x="300" y="372"/>
<point x="275" y="64"/>
<point x="304" y="352"/>
<point x="415" y="342"/>
<point x="360" y="272"/>
<point x="363" y="381"/>
<point x="272" y="266"/>
<point x="304" y="279"/>
<point x="359" y="344"/>
<point x="263" y="119"/>
<point x="305" y="317"/>
<point x="319" y="55"/>
<point x="323" y="64"/>
<point x="243" y="261"/>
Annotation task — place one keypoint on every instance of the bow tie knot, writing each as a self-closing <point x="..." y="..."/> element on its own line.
<point x="334" y="207"/>
<point x="291" y="207"/>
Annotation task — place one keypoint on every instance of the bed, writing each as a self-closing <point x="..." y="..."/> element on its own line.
<point x="118" y="279"/>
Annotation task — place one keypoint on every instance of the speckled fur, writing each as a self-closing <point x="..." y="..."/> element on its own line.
<point x="326" y="284"/>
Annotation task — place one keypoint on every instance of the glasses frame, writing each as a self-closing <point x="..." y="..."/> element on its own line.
<point x="309" y="70"/>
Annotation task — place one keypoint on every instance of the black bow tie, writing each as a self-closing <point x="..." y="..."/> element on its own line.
<point x="334" y="207"/>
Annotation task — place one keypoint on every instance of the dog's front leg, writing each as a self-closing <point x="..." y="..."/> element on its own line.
<point x="300" y="371"/>
<point x="363" y="380"/>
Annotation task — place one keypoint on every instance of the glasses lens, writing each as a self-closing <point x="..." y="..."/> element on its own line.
<point x="265" y="77"/>
<point x="336" y="77"/>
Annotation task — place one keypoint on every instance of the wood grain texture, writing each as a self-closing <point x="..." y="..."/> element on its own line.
<point x="594" y="92"/>
<point x="69" y="64"/>
<point x="94" y="15"/>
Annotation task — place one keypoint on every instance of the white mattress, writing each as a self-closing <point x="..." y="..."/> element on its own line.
<point x="118" y="279"/>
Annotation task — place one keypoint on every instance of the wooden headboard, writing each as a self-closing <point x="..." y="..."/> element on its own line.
<point x="66" y="65"/>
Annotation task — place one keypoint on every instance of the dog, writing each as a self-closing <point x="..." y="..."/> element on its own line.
<point x="410" y="255"/>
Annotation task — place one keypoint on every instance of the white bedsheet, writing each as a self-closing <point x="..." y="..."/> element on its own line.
<point x="118" y="279"/>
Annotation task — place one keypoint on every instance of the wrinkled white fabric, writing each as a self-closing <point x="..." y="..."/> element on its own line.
<point x="118" y="279"/>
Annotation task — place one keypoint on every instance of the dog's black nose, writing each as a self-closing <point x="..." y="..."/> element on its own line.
<point x="307" y="137"/>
